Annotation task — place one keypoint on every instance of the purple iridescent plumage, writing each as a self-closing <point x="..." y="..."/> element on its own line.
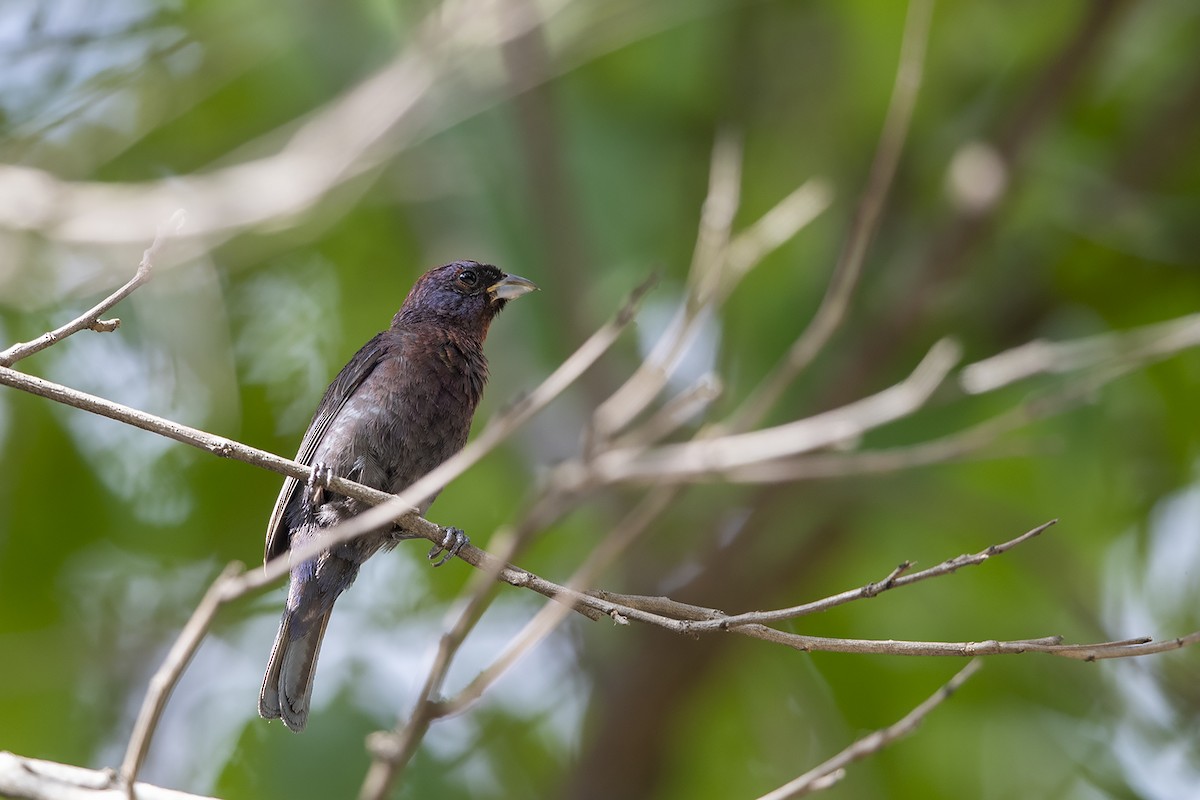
<point x="401" y="406"/>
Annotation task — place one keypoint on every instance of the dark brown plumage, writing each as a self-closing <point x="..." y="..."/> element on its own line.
<point x="401" y="406"/>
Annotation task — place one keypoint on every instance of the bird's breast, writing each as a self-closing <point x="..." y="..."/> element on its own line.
<point x="409" y="416"/>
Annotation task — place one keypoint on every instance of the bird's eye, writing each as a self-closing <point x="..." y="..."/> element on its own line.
<point x="468" y="278"/>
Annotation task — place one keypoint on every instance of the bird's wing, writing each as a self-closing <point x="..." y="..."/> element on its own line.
<point x="342" y="388"/>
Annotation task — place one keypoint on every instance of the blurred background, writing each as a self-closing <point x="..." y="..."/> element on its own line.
<point x="327" y="153"/>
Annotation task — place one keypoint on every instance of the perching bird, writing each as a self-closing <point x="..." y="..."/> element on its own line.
<point x="401" y="406"/>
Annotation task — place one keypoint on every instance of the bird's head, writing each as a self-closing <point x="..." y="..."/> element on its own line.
<point x="464" y="296"/>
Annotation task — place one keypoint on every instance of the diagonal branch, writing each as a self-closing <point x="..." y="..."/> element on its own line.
<point x="1142" y="345"/>
<point x="347" y="137"/>
<point x="717" y="454"/>
<point x="836" y="301"/>
<point x="830" y="772"/>
<point x="897" y="578"/>
<point x="90" y="319"/>
<point x="388" y="508"/>
<point x="165" y="678"/>
<point x="235" y="582"/>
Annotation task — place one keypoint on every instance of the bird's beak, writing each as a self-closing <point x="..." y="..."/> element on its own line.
<point x="511" y="286"/>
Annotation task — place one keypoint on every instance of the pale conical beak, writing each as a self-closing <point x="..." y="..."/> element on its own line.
<point x="511" y="286"/>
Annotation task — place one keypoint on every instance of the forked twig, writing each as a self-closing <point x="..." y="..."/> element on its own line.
<point x="90" y="319"/>
<point x="830" y="772"/>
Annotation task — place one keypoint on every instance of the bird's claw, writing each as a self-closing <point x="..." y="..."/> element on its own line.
<point x="451" y="544"/>
<point x="318" y="482"/>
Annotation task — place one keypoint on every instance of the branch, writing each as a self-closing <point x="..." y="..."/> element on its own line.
<point x="34" y="779"/>
<point x="234" y="582"/>
<point x="166" y="677"/>
<point x="391" y="751"/>
<point x="347" y="137"/>
<point x="90" y="319"/>
<point x="716" y="455"/>
<point x="716" y="220"/>
<point x="719" y="264"/>
<point x="1142" y="345"/>
<point x="388" y="508"/>
<point x="689" y="620"/>
<point x="542" y="624"/>
<point x="344" y="139"/>
<point x="897" y="578"/>
<point x="836" y="301"/>
<point x="832" y="771"/>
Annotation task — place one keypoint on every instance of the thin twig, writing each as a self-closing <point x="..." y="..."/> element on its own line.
<point x="166" y="677"/>
<point x="542" y="624"/>
<point x="674" y="413"/>
<point x="716" y="220"/>
<point x="957" y="446"/>
<point x="388" y="508"/>
<point x="1142" y="345"/>
<point x="391" y="751"/>
<point x="90" y="319"/>
<point x="829" y="772"/>
<point x="836" y="301"/>
<point x="775" y="228"/>
<point x="236" y="583"/>
<point x="895" y="580"/>
<point x="494" y="434"/>
<point x="350" y="135"/>
<point x="685" y="625"/>
<point x="720" y="453"/>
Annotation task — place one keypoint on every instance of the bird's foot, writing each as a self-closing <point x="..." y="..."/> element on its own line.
<point x="451" y="544"/>
<point x="318" y="482"/>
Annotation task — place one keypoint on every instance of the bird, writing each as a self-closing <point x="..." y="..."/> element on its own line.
<point x="400" y="407"/>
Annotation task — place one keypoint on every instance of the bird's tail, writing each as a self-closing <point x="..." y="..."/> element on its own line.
<point x="287" y="686"/>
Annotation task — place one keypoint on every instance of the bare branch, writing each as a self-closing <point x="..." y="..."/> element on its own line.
<point x="722" y="453"/>
<point x="234" y="582"/>
<point x="1124" y="649"/>
<point x="166" y="677"/>
<point x="90" y="319"/>
<point x="775" y="228"/>
<point x="349" y="136"/>
<point x="716" y="218"/>
<point x="391" y="751"/>
<point x="688" y="620"/>
<point x="34" y="779"/>
<point x="837" y="297"/>
<point x="675" y="412"/>
<point x="388" y="508"/>
<point x="831" y="771"/>
<point x="896" y="579"/>
<point x="1142" y="345"/>
<point x="719" y="262"/>
<point x="623" y="534"/>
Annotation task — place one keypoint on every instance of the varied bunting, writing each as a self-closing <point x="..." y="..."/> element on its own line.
<point x="400" y="407"/>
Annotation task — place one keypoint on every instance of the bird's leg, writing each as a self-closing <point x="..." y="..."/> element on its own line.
<point x="451" y="544"/>
<point x="398" y="534"/>
<point x="318" y="482"/>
